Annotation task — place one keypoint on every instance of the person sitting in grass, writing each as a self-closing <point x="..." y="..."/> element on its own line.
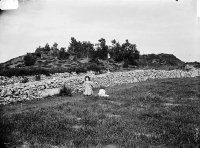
<point x="88" y="86"/>
<point x="102" y="92"/>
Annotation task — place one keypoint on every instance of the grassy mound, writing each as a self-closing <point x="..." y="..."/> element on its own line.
<point x="52" y="64"/>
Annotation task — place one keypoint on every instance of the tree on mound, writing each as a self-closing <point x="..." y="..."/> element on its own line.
<point x="87" y="49"/>
<point x="126" y="52"/>
<point x="130" y="53"/>
<point x="116" y="51"/>
<point x="102" y="50"/>
<point x="62" y="54"/>
<point x="54" y="51"/>
<point x="80" y="49"/>
<point x="43" y="50"/>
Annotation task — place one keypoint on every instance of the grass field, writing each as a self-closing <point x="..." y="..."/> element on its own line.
<point x="155" y="114"/>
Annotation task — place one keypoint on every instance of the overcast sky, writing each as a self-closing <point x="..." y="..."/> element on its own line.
<point x="155" y="26"/>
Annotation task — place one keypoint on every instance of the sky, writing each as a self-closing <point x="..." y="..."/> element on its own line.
<point x="155" y="26"/>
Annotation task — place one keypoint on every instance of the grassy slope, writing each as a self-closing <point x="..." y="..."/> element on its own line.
<point x="160" y="61"/>
<point x="158" y="113"/>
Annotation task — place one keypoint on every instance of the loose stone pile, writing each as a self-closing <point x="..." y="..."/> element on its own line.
<point x="7" y="81"/>
<point x="36" y="90"/>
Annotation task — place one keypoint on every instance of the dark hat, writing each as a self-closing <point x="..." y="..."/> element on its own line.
<point x="87" y="77"/>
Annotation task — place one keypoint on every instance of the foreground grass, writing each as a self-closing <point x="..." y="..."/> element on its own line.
<point x="158" y="113"/>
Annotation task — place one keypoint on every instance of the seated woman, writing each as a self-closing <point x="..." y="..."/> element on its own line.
<point x="102" y="92"/>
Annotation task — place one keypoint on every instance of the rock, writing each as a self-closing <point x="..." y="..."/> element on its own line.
<point x="50" y="92"/>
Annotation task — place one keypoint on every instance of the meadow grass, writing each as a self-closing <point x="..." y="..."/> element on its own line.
<point x="157" y="113"/>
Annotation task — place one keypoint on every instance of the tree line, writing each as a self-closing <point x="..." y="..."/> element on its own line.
<point x="126" y="52"/>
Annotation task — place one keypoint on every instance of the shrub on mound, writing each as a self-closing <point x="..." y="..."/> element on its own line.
<point x="23" y="71"/>
<point x="125" y="65"/>
<point x="37" y="77"/>
<point x="93" y="67"/>
<point x="25" y="80"/>
<point x="80" y="70"/>
<point x="29" y="59"/>
<point x="71" y="69"/>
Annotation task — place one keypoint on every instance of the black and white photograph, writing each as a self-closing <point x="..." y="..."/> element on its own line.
<point x="99" y="73"/>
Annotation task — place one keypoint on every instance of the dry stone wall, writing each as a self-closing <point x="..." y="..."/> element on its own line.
<point x="40" y="89"/>
<point x="6" y="81"/>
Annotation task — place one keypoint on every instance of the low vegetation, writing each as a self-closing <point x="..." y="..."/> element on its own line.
<point x="65" y="91"/>
<point x="24" y="80"/>
<point x="29" y="59"/>
<point x="157" y="113"/>
<point x="47" y="71"/>
<point x="38" y="77"/>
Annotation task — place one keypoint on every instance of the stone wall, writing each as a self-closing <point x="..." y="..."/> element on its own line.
<point x="40" y="89"/>
<point x="7" y="81"/>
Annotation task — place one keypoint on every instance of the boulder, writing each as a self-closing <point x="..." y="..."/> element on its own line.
<point x="50" y="92"/>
